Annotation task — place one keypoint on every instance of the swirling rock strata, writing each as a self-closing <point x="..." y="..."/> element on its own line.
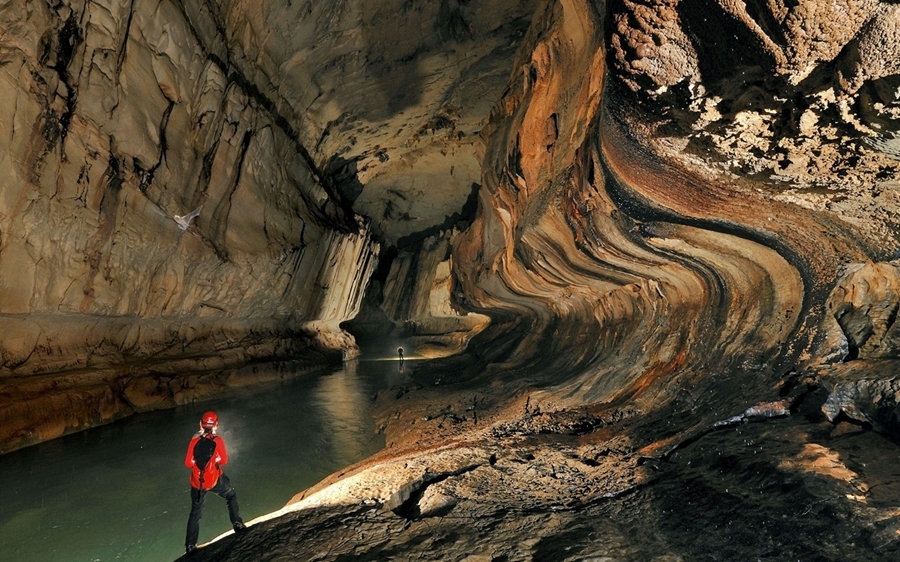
<point x="650" y="213"/>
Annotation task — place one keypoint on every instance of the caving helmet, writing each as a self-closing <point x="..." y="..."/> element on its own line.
<point x="209" y="421"/>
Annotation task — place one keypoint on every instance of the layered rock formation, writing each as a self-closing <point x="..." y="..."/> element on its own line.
<point x="119" y="119"/>
<point x="685" y="224"/>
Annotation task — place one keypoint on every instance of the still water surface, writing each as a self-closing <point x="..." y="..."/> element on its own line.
<point x="121" y="492"/>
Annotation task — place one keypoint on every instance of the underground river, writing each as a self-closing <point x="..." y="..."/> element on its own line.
<point x="120" y="491"/>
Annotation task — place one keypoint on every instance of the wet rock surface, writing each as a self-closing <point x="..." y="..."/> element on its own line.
<point x="785" y="488"/>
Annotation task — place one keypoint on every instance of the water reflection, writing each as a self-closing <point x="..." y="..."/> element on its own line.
<point x="120" y="492"/>
<point x="341" y="396"/>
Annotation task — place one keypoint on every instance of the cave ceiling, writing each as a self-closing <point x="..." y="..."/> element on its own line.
<point x="387" y="97"/>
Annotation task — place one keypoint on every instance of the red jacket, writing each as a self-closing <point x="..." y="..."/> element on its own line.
<point x="213" y="468"/>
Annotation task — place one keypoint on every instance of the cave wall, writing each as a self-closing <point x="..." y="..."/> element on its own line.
<point x="663" y="189"/>
<point x="118" y="118"/>
<point x="118" y="121"/>
<point x="675" y="188"/>
<point x="297" y="138"/>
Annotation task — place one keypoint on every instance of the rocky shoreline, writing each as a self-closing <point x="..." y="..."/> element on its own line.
<point x="68" y="373"/>
<point x="777" y="481"/>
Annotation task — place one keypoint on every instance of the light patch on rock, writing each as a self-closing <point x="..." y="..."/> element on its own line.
<point x="816" y="459"/>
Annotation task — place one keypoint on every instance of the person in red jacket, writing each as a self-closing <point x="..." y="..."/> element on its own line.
<point x="206" y="454"/>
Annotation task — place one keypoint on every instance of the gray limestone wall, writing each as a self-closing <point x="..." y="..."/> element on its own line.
<point x="158" y="216"/>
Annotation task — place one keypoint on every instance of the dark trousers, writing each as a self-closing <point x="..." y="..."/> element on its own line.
<point x="222" y="488"/>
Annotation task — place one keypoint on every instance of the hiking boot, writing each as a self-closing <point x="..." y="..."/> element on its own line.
<point x="239" y="527"/>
